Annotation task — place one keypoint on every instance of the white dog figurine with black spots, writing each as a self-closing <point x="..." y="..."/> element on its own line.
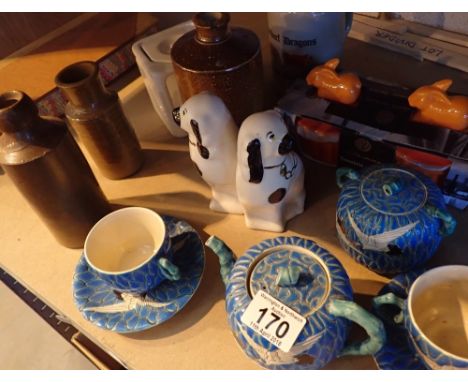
<point x="212" y="135"/>
<point x="270" y="175"/>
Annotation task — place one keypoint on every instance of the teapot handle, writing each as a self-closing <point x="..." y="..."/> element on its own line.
<point x="448" y="221"/>
<point x="371" y="324"/>
<point x="345" y="173"/>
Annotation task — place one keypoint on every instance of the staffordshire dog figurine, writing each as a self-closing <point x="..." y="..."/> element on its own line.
<point x="270" y="175"/>
<point x="212" y="135"/>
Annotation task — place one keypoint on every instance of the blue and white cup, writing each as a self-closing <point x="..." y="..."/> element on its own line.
<point x="131" y="250"/>
<point x="436" y="316"/>
<point x="301" y="40"/>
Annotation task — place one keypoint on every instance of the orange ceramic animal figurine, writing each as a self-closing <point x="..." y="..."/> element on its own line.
<point x="437" y="108"/>
<point x="344" y="88"/>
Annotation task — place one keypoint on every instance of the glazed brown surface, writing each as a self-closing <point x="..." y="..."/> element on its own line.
<point x="96" y="115"/>
<point x="231" y="67"/>
<point x="47" y="167"/>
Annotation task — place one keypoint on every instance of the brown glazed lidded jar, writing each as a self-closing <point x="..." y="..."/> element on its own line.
<point x="96" y="115"/>
<point x="225" y="61"/>
<point x="49" y="169"/>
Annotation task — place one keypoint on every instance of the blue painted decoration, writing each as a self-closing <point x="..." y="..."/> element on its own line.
<point x="147" y="276"/>
<point x="407" y="347"/>
<point x="321" y="293"/>
<point x="389" y="218"/>
<point x="397" y="353"/>
<point x="128" y="312"/>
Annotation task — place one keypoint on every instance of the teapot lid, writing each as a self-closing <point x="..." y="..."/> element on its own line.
<point x="393" y="191"/>
<point x="294" y="271"/>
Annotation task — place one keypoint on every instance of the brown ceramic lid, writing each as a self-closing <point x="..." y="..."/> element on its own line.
<point x="213" y="46"/>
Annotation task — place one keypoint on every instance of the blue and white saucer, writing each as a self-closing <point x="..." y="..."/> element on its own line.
<point x="125" y="313"/>
<point x="397" y="354"/>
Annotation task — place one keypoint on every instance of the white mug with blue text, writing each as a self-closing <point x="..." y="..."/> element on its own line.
<point x="301" y="40"/>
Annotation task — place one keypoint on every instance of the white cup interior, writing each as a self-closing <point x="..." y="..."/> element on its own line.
<point x="438" y="306"/>
<point x="124" y="240"/>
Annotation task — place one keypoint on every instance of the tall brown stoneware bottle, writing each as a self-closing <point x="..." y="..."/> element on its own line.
<point x="224" y="60"/>
<point x="49" y="169"/>
<point x="96" y="115"/>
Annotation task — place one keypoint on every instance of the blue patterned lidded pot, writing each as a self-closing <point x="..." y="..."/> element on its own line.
<point x="310" y="281"/>
<point x="389" y="218"/>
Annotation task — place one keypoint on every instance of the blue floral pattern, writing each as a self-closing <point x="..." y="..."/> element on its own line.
<point x="91" y="291"/>
<point x="364" y="203"/>
<point x="322" y="279"/>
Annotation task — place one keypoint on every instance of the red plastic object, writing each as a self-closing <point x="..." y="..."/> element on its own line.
<point x="319" y="140"/>
<point x="433" y="166"/>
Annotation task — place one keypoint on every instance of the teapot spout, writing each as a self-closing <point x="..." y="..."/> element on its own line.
<point x="225" y="256"/>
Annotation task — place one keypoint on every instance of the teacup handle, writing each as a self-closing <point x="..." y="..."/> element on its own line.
<point x="390" y="299"/>
<point x="343" y="174"/>
<point x="169" y="270"/>
<point x="371" y="324"/>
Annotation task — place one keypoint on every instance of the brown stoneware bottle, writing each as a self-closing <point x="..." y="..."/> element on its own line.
<point x="225" y="61"/>
<point x="96" y="115"/>
<point x="49" y="169"/>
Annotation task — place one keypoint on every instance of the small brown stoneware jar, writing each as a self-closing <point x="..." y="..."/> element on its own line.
<point x="225" y="61"/>
<point x="96" y="115"/>
<point x="48" y="168"/>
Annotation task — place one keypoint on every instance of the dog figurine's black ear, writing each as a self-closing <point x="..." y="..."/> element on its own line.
<point x="176" y="115"/>
<point x="202" y="150"/>
<point x="254" y="161"/>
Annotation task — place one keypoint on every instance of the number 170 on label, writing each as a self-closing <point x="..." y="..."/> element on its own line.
<point x="273" y="320"/>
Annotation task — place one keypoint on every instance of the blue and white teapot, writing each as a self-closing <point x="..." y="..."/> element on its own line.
<point x="308" y="280"/>
<point x="389" y="218"/>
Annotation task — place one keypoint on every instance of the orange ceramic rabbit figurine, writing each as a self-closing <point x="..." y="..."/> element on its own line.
<point x="344" y="88"/>
<point x="435" y="107"/>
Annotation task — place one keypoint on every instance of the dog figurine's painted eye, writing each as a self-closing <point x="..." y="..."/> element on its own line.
<point x="270" y="136"/>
